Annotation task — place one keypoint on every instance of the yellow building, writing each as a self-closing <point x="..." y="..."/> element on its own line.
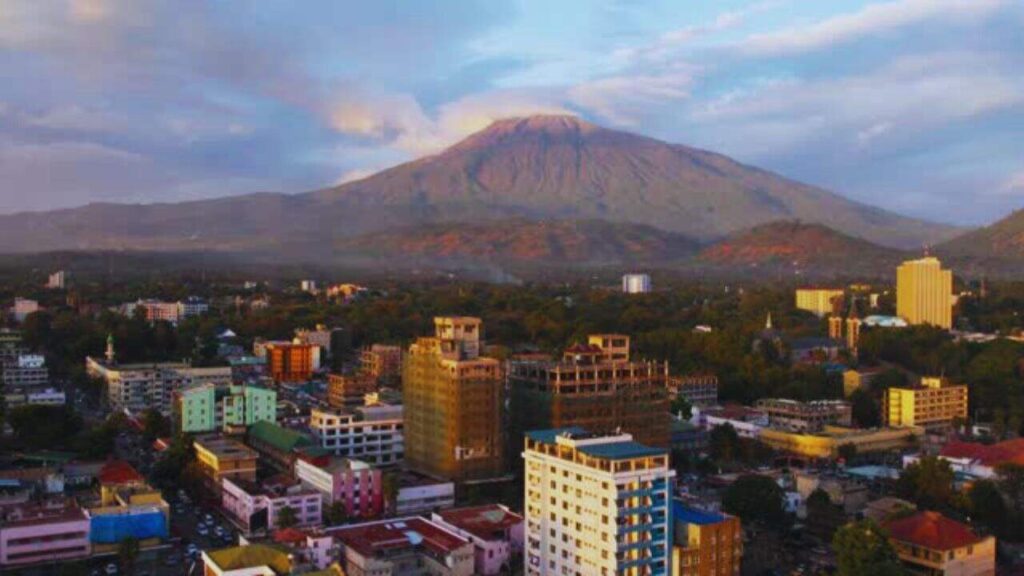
<point x="933" y="404"/>
<point x="929" y="543"/>
<point x="924" y="293"/>
<point x="854" y="380"/>
<point x="453" y="401"/>
<point x="220" y="458"/>
<point x="126" y="500"/>
<point x="817" y="301"/>
<point x="825" y="444"/>
<point x="705" y="543"/>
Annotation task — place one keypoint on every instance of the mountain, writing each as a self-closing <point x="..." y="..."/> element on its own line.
<point x="1002" y="240"/>
<point x="518" y="241"/>
<point x="535" y="168"/>
<point x="797" y="246"/>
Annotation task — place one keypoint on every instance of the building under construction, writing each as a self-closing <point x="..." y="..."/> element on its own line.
<point x="595" y="386"/>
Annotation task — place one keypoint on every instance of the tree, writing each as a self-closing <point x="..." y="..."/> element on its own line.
<point x="724" y="443"/>
<point x="1011" y="485"/>
<point x="287" y="518"/>
<point x="390" y="487"/>
<point x="37" y="426"/>
<point x="127" y="553"/>
<point x="987" y="506"/>
<point x="682" y="408"/>
<point x="154" y="424"/>
<point x="928" y="482"/>
<point x="756" y="498"/>
<point x="336" y="513"/>
<point x="864" y="409"/>
<point x="847" y="452"/>
<point x="863" y="549"/>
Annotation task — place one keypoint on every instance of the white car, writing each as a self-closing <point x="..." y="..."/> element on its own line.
<point x="111" y="568"/>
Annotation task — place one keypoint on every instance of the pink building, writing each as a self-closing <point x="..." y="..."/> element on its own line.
<point x="354" y="483"/>
<point x="256" y="508"/>
<point x="495" y="531"/>
<point x="43" y="532"/>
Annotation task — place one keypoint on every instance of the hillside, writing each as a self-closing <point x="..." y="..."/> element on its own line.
<point x="798" y="247"/>
<point x="1000" y="241"/>
<point x="536" y="168"/>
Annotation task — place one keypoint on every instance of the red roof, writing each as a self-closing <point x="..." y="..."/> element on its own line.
<point x="1008" y="452"/>
<point x="489" y="522"/>
<point x="395" y="535"/>
<point x="290" y="536"/>
<point x="118" y="472"/>
<point x="583" y="349"/>
<point x="933" y="531"/>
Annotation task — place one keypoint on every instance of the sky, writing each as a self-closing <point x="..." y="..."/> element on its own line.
<point x="916" y="106"/>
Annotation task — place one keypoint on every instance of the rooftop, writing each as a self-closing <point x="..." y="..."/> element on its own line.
<point x="224" y="448"/>
<point x="119" y="472"/>
<point x="254" y="556"/>
<point x="385" y="536"/>
<point x="1008" y="452"/>
<point x="932" y="530"/>
<point x="278" y="437"/>
<point x="615" y="448"/>
<point x="489" y="522"/>
<point x="683" y="513"/>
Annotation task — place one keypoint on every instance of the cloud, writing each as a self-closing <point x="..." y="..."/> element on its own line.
<point x="621" y="99"/>
<point x="871" y="20"/>
<point x="876" y="130"/>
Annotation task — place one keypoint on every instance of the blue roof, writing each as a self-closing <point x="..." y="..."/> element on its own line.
<point x="548" y="436"/>
<point x="683" y="513"/>
<point x="620" y="450"/>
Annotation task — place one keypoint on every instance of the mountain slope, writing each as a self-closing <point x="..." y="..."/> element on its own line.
<point x="536" y="168"/>
<point x="798" y="246"/>
<point x="575" y="242"/>
<point x="1003" y="239"/>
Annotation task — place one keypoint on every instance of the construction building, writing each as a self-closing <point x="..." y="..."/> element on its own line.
<point x="797" y="416"/>
<point x="382" y="362"/>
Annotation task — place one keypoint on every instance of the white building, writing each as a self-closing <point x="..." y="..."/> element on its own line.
<point x="495" y="531"/>
<point x="420" y="495"/>
<point x="254" y="508"/>
<point x="135" y="387"/>
<point x="308" y="286"/>
<point x="28" y="371"/>
<point x="371" y="433"/>
<point x="22" y="308"/>
<point x="636" y="283"/>
<point x="596" y="504"/>
<point x="57" y="280"/>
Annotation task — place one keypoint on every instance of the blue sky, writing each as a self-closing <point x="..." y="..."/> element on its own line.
<point x="912" y="105"/>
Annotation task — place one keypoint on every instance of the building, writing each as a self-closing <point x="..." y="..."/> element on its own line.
<point x="217" y="407"/>
<point x="346" y="291"/>
<point x="349" y="390"/>
<point x="859" y="379"/>
<point x="978" y="460"/>
<point x="382" y="362"/>
<point x="797" y="416"/>
<point x="249" y="560"/>
<point x="128" y="507"/>
<point x="595" y="386"/>
<point x="924" y="293"/>
<point x="453" y="404"/>
<point x="747" y="422"/>
<point x="930" y="543"/>
<point x="596" y="504"/>
<point x="136" y="387"/>
<point x="46" y="397"/>
<point x="48" y="531"/>
<point x="257" y="507"/>
<point x="27" y="372"/>
<point x="697" y="389"/>
<point x="495" y="531"/>
<point x="160" y="311"/>
<point x="934" y="404"/>
<point x="419" y="494"/>
<point x="57" y="280"/>
<point x="308" y="286"/>
<point x="636" y="283"/>
<point x="22" y="308"/>
<point x="371" y="433"/>
<point x="403" y="546"/>
<point x="826" y="443"/>
<point x="292" y="362"/>
<point x="846" y="493"/>
<point x="280" y="447"/>
<point x="705" y="543"/>
<point x="354" y="483"/>
<point x="221" y="458"/>
<point x="818" y="301"/>
<point x="320" y="336"/>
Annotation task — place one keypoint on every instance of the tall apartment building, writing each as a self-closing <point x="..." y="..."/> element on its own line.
<point x="636" y="283"/>
<point x="705" y="543"/>
<point x="924" y="293"/>
<point x="817" y="301"/>
<point x="933" y="404"/>
<point x="292" y="362"/>
<point x="214" y="407"/>
<point x="136" y="387"/>
<point x="797" y="416"/>
<point x="595" y="386"/>
<point x="382" y="362"/>
<point x="453" y="400"/>
<point x="596" y="505"/>
<point x="370" y="433"/>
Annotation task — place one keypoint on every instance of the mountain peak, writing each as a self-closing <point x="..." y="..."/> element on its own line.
<point x="516" y="128"/>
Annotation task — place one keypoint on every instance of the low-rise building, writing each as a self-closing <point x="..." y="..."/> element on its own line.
<point x="320" y="336"/>
<point x="160" y="311"/>
<point x="495" y="531"/>
<point x="216" y="407"/>
<point x="349" y="389"/>
<point x="748" y="422"/>
<point x="977" y="460"/>
<point x="826" y="443"/>
<point x="383" y="362"/>
<point x="859" y="379"/>
<point x="356" y="484"/>
<point x="28" y="373"/>
<point x="930" y="543"/>
<point x="848" y="494"/>
<point x="797" y="416"/>
<point x="280" y="447"/>
<point x="698" y="389"/>
<point x="705" y="543"/>
<point x="419" y="494"/>
<point x="257" y="507"/>
<point x="291" y="361"/>
<point x="22" y="308"/>
<point x="222" y="458"/>
<point x="48" y="531"/>
<point x="136" y="387"/>
<point x="934" y="404"/>
<point x="374" y="433"/>
<point x="128" y="508"/>
<point x="249" y="560"/>
<point x="403" y="546"/>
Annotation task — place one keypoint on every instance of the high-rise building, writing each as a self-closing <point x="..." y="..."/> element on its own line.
<point x="595" y="386"/>
<point x="705" y="543"/>
<point x="596" y="504"/>
<point x="636" y="283"/>
<point x="933" y="404"/>
<point x="924" y="293"/>
<point x="817" y="301"/>
<point x="453" y="401"/>
<point x="371" y="433"/>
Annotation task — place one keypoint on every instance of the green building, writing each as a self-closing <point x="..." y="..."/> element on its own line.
<point x="212" y="407"/>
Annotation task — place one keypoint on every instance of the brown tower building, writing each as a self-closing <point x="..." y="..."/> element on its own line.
<point x="595" y="386"/>
<point x="453" y="402"/>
